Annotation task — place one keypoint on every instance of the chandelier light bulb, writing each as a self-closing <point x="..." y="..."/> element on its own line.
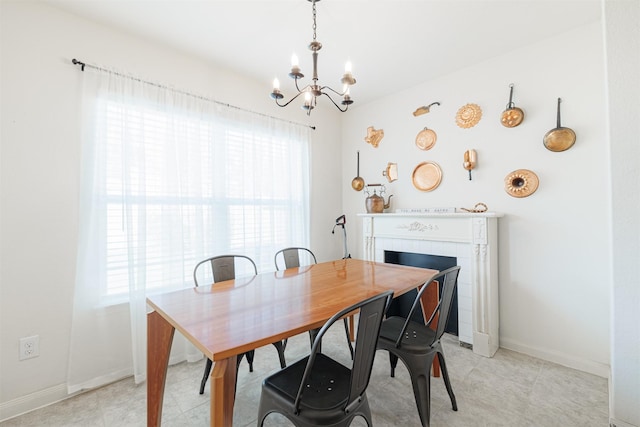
<point x="347" y="67"/>
<point x="294" y="61"/>
<point x="276" y="84"/>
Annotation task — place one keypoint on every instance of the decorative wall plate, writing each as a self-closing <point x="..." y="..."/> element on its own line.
<point x="427" y="176"/>
<point x="468" y="115"/>
<point x="426" y="139"/>
<point x="521" y="183"/>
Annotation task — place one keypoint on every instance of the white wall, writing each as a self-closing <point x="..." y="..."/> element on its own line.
<point x="554" y="265"/>
<point x="554" y="292"/>
<point x="39" y="173"/>
<point x="622" y="29"/>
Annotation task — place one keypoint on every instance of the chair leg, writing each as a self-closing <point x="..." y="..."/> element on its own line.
<point x="207" y="371"/>
<point x="249" y="354"/>
<point x="421" y="382"/>
<point x="346" y="330"/>
<point x="280" y="348"/>
<point x="447" y="383"/>
<point x="393" y="362"/>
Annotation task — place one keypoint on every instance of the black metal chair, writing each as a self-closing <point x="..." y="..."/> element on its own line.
<point x="223" y="267"/>
<point x="418" y="344"/>
<point x="317" y="390"/>
<point x="290" y="257"/>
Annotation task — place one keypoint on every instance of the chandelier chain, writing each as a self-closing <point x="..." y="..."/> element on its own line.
<point x="314" y="19"/>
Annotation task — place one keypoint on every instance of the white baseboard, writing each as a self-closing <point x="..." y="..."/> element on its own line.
<point x="615" y="423"/>
<point x="32" y="401"/>
<point x="573" y="362"/>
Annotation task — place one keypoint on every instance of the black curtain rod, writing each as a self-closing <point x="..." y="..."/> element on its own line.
<point x="83" y="65"/>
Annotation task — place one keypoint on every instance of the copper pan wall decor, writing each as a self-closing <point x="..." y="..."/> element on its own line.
<point x="374" y="136"/>
<point x="391" y="172"/>
<point x="426" y="176"/>
<point x="521" y="183"/>
<point x="424" y="109"/>
<point x="426" y="139"/>
<point x="468" y="116"/>
<point x="559" y="138"/>
<point x="512" y="116"/>
<point x="357" y="183"/>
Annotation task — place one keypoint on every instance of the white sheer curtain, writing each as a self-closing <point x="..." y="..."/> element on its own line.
<point x="168" y="179"/>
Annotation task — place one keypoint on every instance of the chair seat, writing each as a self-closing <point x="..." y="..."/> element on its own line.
<point x="328" y="387"/>
<point x="418" y="338"/>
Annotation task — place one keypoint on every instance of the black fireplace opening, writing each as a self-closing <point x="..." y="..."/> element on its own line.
<point x="401" y="305"/>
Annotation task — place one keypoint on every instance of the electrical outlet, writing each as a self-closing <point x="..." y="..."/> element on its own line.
<point x="29" y="347"/>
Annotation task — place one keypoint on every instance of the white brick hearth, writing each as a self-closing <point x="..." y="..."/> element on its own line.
<point x="472" y="239"/>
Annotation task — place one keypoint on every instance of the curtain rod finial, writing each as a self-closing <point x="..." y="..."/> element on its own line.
<point x="76" y="62"/>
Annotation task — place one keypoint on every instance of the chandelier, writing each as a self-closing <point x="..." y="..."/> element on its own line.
<point x="313" y="90"/>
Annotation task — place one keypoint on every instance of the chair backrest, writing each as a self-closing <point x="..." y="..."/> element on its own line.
<point x="223" y="267"/>
<point x="449" y="280"/>
<point x="291" y="257"/>
<point x="370" y="318"/>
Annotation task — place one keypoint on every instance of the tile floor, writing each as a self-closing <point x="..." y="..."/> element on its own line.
<point x="510" y="389"/>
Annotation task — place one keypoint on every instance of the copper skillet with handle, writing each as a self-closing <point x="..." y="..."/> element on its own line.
<point x="512" y="116"/>
<point x="559" y="138"/>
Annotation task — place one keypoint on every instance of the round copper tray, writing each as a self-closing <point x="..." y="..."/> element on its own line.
<point x="426" y="176"/>
<point x="468" y="115"/>
<point x="521" y="183"/>
<point x="426" y="139"/>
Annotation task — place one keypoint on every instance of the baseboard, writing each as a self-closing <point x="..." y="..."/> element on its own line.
<point x="615" y="423"/>
<point x="33" y="401"/>
<point x="573" y="362"/>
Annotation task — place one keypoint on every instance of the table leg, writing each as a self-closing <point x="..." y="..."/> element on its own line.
<point x="223" y="392"/>
<point x="352" y="332"/>
<point x="429" y="301"/>
<point x="159" y="338"/>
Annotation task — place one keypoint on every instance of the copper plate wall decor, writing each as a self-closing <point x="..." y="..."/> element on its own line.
<point x="427" y="176"/>
<point x="521" y="183"/>
<point x="468" y="115"/>
<point x="426" y="139"/>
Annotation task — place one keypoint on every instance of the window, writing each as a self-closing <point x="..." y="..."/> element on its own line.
<point x="177" y="187"/>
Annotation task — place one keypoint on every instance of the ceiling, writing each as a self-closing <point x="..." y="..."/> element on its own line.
<point x="392" y="44"/>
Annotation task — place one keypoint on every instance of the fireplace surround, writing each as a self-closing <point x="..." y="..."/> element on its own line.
<point x="470" y="237"/>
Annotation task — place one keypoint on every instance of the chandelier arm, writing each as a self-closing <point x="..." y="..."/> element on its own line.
<point x="334" y="91"/>
<point x="289" y="101"/>
<point x="298" y="89"/>
<point x="334" y="102"/>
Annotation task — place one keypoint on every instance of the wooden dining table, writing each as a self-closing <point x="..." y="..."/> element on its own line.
<point x="235" y="316"/>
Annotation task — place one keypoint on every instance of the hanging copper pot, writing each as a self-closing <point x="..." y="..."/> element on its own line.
<point x="512" y="116"/>
<point x="559" y="139"/>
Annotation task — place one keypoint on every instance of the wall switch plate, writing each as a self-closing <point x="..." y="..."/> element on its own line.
<point x="29" y="347"/>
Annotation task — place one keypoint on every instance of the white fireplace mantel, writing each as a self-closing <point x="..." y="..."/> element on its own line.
<point x="470" y="237"/>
